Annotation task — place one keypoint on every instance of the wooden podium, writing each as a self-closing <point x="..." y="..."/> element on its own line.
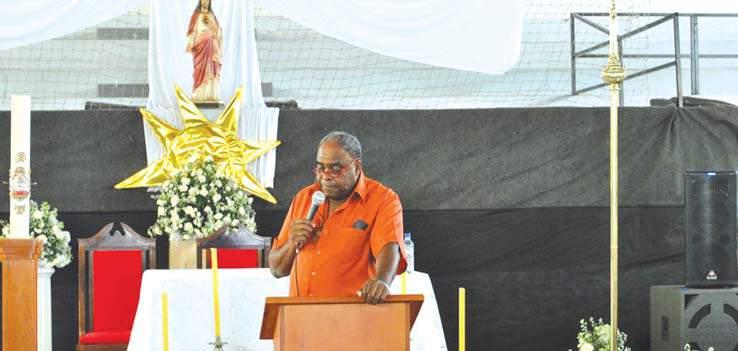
<point x="343" y="323"/>
<point x="19" y="258"/>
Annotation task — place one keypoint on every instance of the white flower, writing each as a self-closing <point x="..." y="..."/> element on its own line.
<point x="38" y="215"/>
<point x="6" y="230"/>
<point x="199" y="201"/>
<point x="586" y="347"/>
<point x="42" y="237"/>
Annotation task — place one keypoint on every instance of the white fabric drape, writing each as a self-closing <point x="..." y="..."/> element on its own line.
<point x="169" y="64"/>
<point x="473" y="35"/>
<point x="242" y="294"/>
<point x="30" y="21"/>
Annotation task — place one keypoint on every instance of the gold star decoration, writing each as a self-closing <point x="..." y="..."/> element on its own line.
<point x="199" y="139"/>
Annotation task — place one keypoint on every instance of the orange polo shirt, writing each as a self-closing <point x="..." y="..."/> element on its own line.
<point x="341" y="258"/>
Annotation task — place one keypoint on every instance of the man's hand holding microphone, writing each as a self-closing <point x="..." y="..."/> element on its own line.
<point x="303" y="230"/>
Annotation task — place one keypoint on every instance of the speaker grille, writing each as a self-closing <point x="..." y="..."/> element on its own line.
<point x="710" y="211"/>
<point x="712" y="322"/>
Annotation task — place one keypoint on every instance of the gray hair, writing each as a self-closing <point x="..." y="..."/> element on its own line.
<point x="347" y="141"/>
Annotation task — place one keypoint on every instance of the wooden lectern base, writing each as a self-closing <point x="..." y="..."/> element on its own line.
<point x="339" y="324"/>
<point x="19" y="258"/>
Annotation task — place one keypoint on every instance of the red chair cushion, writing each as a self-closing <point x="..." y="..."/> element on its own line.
<point x="108" y="337"/>
<point x="116" y="286"/>
<point x="238" y="258"/>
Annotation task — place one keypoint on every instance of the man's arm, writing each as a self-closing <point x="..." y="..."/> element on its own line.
<point x="376" y="290"/>
<point x="281" y="258"/>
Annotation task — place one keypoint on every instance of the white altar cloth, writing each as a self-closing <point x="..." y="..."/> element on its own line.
<point x="242" y="296"/>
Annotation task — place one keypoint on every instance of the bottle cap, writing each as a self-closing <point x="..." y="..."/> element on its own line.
<point x="407" y="236"/>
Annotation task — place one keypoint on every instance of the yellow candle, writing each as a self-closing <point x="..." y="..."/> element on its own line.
<point x="462" y="319"/>
<point x="403" y="281"/>
<point x="216" y="301"/>
<point x="165" y="321"/>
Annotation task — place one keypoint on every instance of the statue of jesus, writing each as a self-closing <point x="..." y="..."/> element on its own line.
<point x="205" y="42"/>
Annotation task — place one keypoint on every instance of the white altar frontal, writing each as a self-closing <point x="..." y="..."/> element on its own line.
<point x="242" y="296"/>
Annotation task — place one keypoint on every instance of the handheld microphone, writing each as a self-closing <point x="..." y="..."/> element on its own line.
<point x="318" y="199"/>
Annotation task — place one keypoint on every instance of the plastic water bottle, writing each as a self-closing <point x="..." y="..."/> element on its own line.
<point x="410" y="252"/>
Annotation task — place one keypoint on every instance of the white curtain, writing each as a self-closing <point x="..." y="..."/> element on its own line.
<point x="474" y="35"/>
<point x="169" y="64"/>
<point x="24" y="22"/>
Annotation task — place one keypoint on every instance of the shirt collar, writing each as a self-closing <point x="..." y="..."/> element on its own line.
<point x="360" y="188"/>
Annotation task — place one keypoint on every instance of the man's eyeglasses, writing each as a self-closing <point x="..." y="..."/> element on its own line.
<point x="334" y="170"/>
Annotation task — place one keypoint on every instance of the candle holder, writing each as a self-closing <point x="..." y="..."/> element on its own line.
<point x="218" y="344"/>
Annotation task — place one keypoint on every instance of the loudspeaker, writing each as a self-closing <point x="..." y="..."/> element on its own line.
<point x="702" y="318"/>
<point x="710" y="221"/>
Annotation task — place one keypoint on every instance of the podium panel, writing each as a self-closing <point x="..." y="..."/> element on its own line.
<point x="333" y="324"/>
<point x="366" y="328"/>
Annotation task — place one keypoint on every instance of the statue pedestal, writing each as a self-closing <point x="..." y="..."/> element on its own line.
<point x="211" y="109"/>
<point x="19" y="258"/>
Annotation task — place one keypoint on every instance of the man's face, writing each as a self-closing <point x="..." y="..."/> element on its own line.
<point x="336" y="171"/>
<point x="205" y="4"/>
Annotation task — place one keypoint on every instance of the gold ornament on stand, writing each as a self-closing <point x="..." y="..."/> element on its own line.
<point x="201" y="138"/>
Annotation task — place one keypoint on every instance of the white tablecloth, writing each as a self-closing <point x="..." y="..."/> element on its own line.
<point x="242" y="296"/>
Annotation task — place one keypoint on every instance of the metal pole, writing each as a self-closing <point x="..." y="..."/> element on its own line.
<point x="621" y="86"/>
<point x="694" y="53"/>
<point x="678" y="60"/>
<point x="613" y="74"/>
<point x="572" y="39"/>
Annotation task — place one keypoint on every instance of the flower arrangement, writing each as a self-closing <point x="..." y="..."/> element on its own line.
<point x="198" y="200"/>
<point x="46" y="226"/>
<point x="594" y="335"/>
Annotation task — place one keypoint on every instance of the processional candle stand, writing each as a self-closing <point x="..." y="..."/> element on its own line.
<point x="613" y="74"/>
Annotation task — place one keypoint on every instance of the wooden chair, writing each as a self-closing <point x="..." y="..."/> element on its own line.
<point x="111" y="264"/>
<point x="239" y="248"/>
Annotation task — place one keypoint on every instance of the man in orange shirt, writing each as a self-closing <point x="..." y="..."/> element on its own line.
<point x="354" y="244"/>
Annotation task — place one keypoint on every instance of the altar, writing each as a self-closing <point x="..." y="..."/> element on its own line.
<point x="242" y="296"/>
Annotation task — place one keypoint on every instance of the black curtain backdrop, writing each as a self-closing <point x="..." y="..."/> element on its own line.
<point x="509" y="203"/>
